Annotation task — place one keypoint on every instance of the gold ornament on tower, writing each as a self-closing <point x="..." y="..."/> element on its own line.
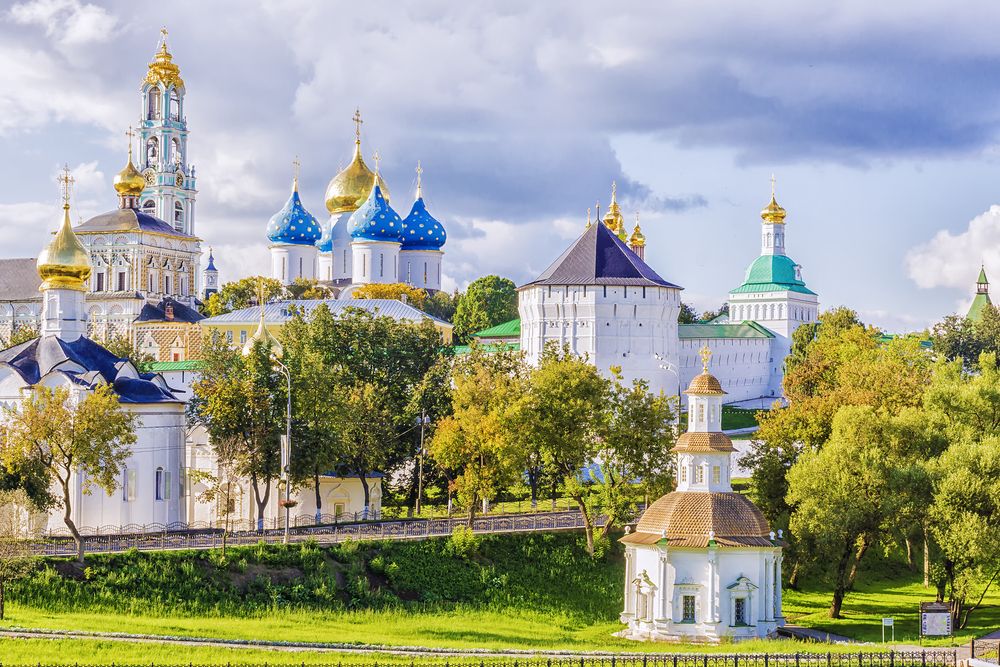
<point x="773" y="213"/>
<point x="637" y="239"/>
<point x="163" y="69"/>
<point x="129" y="182"/>
<point x="64" y="263"/>
<point x="351" y="187"/>
<point x="614" y="218"/>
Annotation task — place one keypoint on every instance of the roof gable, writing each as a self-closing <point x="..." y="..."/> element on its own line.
<point x="599" y="257"/>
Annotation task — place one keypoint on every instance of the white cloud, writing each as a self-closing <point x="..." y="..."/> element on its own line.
<point x="953" y="260"/>
<point x="69" y="23"/>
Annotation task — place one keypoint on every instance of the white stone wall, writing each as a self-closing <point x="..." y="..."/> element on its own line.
<point x="743" y="366"/>
<point x="634" y="328"/>
<point x="290" y="261"/>
<point x="421" y="268"/>
<point x="375" y="262"/>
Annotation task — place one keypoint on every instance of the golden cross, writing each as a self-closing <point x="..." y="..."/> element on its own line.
<point x="377" y="158"/>
<point x="706" y="354"/>
<point x="131" y="136"/>
<point x="588" y="217"/>
<point x="66" y="181"/>
<point x="772" y="185"/>
<point x="419" y="188"/>
<point x="163" y="38"/>
<point x="296" y="164"/>
<point x="598" y="205"/>
<point x="357" y="124"/>
<point x="637" y="218"/>
<point x="614" y="191"/>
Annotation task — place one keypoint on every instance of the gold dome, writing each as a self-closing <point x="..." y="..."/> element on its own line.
<point x="705" y="384"/>
<point x="637" y="239"/>
<point x="129" y="182"/>
<point x="614" y="218"/>
<point x="351" y="187"/>
<point x="163" y="69"/>
<point x="64" y="263"/>
<point x="773" y="213"/>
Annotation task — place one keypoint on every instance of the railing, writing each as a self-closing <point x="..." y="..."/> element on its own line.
<point x="938" y="658"/>
<point x="186" y="537"/>
<point x="987" y="650"/>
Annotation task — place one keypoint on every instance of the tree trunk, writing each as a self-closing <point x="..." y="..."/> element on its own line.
<point x="533" y="474"/>
<point x="840" y="581"/>
<point x="68" y="520"/>
<point x="3" y="598"/>
<point x="472" y="510"/>
<point x="261" y="502"/>
<point x="911" y="562"/>
<point x="862" y="548"/>
<point x="793" y="576"/>
<point x="588" y="527"/>
<point x="927" y="558"/>
<point x="364" y="486"/>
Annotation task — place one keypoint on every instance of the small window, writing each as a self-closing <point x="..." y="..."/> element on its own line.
<point x="381" y="265"/>
<point x="716" y="474"/>
<point x="130" y="489"/>
<point x="121" y="281"/>
<point x="740" y="611"/>
<point x="176" y="356"/>
<point x="684" y="473"/>
<point x="149" y="207"/>
<point x="159" y="483"/>
<point x="339" y="509"/>
<point x="425" y="273"/>
<point x="100" y="281"/>
<point x="166" y="284"/>
<point x="243" y="337"/>
<point x="699" y="475"/>
<point x="166" y="485"/>
<point x="687" y="609"/>
<point x="229" y="337"/>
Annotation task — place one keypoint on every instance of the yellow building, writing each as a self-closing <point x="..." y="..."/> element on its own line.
<point x="240" y="325"/>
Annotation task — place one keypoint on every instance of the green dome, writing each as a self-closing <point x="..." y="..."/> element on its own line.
<point x="772" y="273"/>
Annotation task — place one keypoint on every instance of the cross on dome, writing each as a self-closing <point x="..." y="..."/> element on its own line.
<point x="357" y="124"/>
<point x="296" y="166"/>
<point x="772" y="184"/>
<point x="66" y="182"/>
<point x="420" y="192"/>
<point x="377" y="158"/>
<point x="706" y="355"/>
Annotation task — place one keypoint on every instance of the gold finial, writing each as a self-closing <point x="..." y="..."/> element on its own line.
<point x="163" y="38"/>
<point x="598" y="206"/>
<point x="420" y="191"/>
<point x="773" y="213"/>
<point x="772" y="184"/>
<point x="66" y="182"/>
<point x="357" y="125"/>
<point x="706" y="354"/>
<point x="614" y="192"/>
<point x="131" y="137"/>
<point x="296" y="165"/>
<point x="377" y="158"/>
<point x="588" y="218"/>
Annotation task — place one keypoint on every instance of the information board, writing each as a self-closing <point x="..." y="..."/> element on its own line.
<point x="935" y="619"/>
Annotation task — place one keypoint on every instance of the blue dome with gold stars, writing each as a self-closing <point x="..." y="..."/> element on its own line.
<point x="375" y="220"/>
<point x="421" y="231"/>
<point x="293" y="223"/>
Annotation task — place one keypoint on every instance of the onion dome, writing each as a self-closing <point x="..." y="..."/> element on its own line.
<point x="614" y="218"/>
<point x="773" y="213"/>
<point x="293" y="223"/>
<point x="163" y="70"/>
<point x="64" y="263"/>
<point x="637" y="239"/>
<point x="351" y="187"/>
<point x="262" y="334"/>
<point x="421" y="231"/>
<point x="129" y="182"/>
<point x="211" y="261"/>
<point x="375" y="220"/>
<point x="696" y="518"/>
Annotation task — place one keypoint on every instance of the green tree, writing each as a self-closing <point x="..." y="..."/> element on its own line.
<point x="240" y="400"/>
<point x="21" y="334"/>
<point x="124" y="347"/>
<point x="710" y="315"/>
<point x="310" y="289"/>
<point x="688" y="315"/>
<point x="367" y="436"/>
<point x="488" y="301"/>
<point x="242" y="294"/>
<point x="477" y="443"/>
<point x="563" y="414"/>
<point x="91" y="437"/>
<point x="442" y="305"/>
<point x="16" y="558"/>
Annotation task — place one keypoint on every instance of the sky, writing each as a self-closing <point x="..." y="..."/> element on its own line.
<point x="880" y="122"/>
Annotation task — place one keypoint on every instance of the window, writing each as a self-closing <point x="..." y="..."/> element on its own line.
<point x="408" y="271"/>
<point x="687" y="609"/>
<point x="159" y="483"/>
<point x="701" y="413"/>
<point x="364" y="266"/>
<point x="699" y="474"/>
<point x="178" y="216"/>
<point x="283" y="269"/>
<point x="716" y="474"/>
<point x="425" y="273"/>
<point x="100" y="281"/>
<point x="166" y="284"/>
<point x="229" y="337"/>
<point x="338" y="509"/>
<point x="176" y="356"/>
<point x="153" y="109"/>
<point x="166" y="485"/>
<point x="130" y="489"/>
<point x="740" y="611"/>
<point x="300" y="267"/>
<point x="345" y="260"/>
<point x="243" y="337"/>
<point x="684" y="473"/>
<point x="121" y="281"/>
<point x="182" y="483"/>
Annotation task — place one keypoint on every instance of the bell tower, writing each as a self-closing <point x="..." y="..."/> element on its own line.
<point x="163" y="160"/>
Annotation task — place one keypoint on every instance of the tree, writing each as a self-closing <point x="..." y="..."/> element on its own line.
<point x="221" y="489"/>
<point x="562" y="413"/>
<point x="488" y="301"/>
<point x="442" y="305"/>
<point x="397" y="291"/>
<point x="955" y="337"/>
<point x="367" y="437"/>
<point x="242" y="294"/>
<point x="688" y="315"/>
<point x="478" y="444"/>
<point x="124" y="347"/>
<point x="16" y="558"/>
<point x="240" y="400"/>
<point x="20" y="334"/>
<point x="89" y="437"/>
<point x="309" y="289"/>
<point x="710" y="315"/>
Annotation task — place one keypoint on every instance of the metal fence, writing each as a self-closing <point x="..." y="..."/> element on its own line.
<point x="987" y="650"/>
<point x="210" y="538"/>
<point x="938" y="658"/>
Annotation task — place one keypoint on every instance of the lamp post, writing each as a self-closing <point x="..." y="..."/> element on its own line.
<point x="286" y="453"/>
<point x="671" y="368"/>
<point x="423" y="420"/>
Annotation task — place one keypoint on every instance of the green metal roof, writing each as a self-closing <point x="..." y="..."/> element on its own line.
<point x="982" y="277"/>
<point x="745" y="329"/>
<point x="772" y="273"/>
<point x="978" y="306"/>
<point x="487" y="347"/>
<point x="510" y="329"/>
<point x="162" y="366"/>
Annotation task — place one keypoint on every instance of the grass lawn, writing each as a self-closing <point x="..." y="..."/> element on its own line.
<point x="737" y="418"/>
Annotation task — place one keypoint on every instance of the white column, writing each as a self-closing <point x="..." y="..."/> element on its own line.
<point x="778" y="613"/>
<point x="664" y="587"/>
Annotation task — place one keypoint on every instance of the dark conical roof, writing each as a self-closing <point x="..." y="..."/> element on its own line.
<point x="599" y="257"/>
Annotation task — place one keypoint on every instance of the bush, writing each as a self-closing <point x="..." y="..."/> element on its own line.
<point x="463" y="542"/>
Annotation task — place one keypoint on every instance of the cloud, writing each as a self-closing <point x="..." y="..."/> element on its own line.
<point x="952" y="260"/>
<point x="69" y="23"/>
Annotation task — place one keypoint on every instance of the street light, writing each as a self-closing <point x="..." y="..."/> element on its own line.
<point x="423" y="420"/>
<point x="671" y="368"/>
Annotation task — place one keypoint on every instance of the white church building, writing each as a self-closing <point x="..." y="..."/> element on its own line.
<point x="702" y="563"/>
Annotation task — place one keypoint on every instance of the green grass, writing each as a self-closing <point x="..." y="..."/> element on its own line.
<point x="733" y="417"/>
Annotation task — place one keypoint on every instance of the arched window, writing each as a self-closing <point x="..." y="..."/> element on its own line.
<point x="178" y="216"/>
<point x="153" y="109"/>
<point x="149" y="207"/>
<point x="175" y="106"/>
<point x="175" y="150"/>
<point x="159" y="484"/>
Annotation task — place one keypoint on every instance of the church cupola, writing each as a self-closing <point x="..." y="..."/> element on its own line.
<point x="293" y="232"/>
<point x="703" y="452"/>
<point x="982" y="298"/>
<point x="128" y="182"/>
<point x="772" y="235"/>
<point x="614" y="219"/>
<point x="637" y="242"/>
<point x="376" y="236"/>
<point x="64" y="267"/>
<point x="352" y="184"/>
<point x="210" y="277"/>
<point x="423" y="238"/>
<point x="375" y="220"/>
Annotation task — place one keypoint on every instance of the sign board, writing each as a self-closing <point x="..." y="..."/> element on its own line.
<point x="935" y="619"/>
<point x="887" y="622"/>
